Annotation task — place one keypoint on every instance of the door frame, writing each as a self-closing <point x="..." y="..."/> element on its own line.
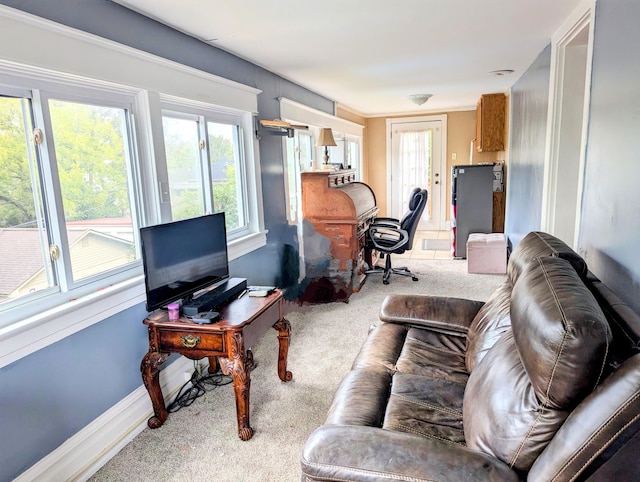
<point x="443" y="159"/>
<point x="581" y="18"/>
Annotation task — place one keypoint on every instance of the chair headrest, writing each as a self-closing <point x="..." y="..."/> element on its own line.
<point x="415" y="198"/>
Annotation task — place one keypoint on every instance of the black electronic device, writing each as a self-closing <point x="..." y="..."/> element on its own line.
<point x="215" y="297"/>
<point x="206" y="317"/>
<point x="183" y="257"/>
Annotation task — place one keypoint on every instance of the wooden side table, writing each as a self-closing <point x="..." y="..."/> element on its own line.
<point x="242" y="322"/>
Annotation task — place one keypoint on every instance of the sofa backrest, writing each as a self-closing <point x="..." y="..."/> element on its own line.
<point x="493" y="320"/>
<point x="601" y="437"/>
<point x="555" y="355"/>
<point x="536" y="244"/>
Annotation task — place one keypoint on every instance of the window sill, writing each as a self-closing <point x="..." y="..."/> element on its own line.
<point x="36" y="332"/>
<point x="43" y="329"/>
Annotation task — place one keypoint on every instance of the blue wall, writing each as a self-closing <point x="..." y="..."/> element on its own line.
<point x="50" y="395"/>
<point x="529" y="102"/>
<point x="609" y="237"/>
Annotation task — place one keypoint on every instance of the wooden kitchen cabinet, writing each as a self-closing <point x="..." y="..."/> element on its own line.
<point x="490" y="121"/>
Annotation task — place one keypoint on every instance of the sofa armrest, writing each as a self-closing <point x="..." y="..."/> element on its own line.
<point x="440" y="313"/>
<point x="338" y="452"/>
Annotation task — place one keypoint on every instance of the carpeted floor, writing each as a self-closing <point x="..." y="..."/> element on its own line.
<point x="200" y="442"/>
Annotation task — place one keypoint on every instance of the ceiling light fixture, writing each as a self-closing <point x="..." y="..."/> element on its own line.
<point x="501" y="72"/>
<point x="419" y="99"/>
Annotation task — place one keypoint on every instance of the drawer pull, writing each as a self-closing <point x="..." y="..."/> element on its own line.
<point x="190" y="341"/>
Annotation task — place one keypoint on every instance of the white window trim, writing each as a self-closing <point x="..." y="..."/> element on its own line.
<point x="293" y="110"/>
<point x="37" y="56"/>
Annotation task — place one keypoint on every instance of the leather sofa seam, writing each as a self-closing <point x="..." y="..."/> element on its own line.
<point x="367" y="472"/>
<point x="428" y="405"/>
<point x="595" y="435"/>
<point x="404" y="428"/>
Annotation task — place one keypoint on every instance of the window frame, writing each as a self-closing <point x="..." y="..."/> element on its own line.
<point x="205" y="114"/>
<point x="39" y="93"/>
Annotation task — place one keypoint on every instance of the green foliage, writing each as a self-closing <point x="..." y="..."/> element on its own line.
<point x="91" y="160"/>
<point x="16" y="196"/>
<point x="225" y="194"/>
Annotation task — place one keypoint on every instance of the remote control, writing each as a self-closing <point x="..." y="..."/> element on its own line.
<point x="260" y="288"/>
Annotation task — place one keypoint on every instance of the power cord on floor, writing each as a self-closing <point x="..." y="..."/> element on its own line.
<point x="198" y="385"/>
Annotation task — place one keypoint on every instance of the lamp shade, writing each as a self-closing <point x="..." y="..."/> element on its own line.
<point x="326" y="137"/>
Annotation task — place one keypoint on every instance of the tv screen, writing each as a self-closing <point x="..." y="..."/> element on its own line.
<point x="182" y="257"/>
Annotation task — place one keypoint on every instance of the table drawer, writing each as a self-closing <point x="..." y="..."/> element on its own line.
<point x="184" y="340"/>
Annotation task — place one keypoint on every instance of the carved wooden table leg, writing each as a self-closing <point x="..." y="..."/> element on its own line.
<point x="150" y="369"/>
<point x="239" y="367"/>
<point x="284" y="329"/>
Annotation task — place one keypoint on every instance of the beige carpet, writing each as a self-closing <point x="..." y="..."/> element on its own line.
<point x="200" y="442"/>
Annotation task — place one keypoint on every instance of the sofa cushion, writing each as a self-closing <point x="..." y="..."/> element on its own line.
<point x="525" y="386"/>
<point x="433" y="354"/>
<point x="431" y="407"/>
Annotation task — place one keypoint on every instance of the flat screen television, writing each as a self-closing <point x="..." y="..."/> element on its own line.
<point x="182" y="257"/>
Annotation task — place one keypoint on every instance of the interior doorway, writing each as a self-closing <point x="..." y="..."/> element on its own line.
<point x="416" y="155"/>
<point x="564" y="170"/>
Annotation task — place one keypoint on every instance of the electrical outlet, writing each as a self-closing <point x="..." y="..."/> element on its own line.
<point x="454" y="156"/>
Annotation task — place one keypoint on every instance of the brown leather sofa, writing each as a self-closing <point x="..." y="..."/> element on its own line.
<point x="540" y="383"/>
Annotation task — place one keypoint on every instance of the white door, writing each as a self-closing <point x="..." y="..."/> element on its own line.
<point x="416" y="161"/>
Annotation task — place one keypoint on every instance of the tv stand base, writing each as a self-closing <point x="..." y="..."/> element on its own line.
<point x="242" y="322"/>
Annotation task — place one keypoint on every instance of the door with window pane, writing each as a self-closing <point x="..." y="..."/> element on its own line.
<point x="416" y="162"/>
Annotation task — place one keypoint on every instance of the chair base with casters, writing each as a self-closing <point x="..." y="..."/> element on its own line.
<point x="388" y="270"/>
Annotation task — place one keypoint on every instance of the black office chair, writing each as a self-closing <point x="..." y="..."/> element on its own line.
<point x="389" y="235"/>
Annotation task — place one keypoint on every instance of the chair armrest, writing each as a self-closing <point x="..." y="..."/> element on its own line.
<point x="338" y="452"/>
<point x="386" y="222"/>
<point x="391" y="238"/>
<point x="440" y="313"/>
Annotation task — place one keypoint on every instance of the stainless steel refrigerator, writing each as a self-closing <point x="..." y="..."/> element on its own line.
<point x="471" y="204"/>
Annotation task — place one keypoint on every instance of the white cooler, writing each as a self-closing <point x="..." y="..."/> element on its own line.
<point x="487" y="253"/>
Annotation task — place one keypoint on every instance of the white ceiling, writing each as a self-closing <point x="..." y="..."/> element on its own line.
<point x="369" y="55"/>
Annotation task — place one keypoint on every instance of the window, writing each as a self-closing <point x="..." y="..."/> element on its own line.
<point x="206" y="166"/>
<point x="66" y="216"/>
<point x="299" y="153"/>
<point x="301" y="149"/>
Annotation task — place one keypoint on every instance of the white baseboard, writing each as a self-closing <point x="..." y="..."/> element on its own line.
<point x="83" y="454"/>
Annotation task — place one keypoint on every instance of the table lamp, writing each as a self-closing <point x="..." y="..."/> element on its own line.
<point x="326" y="139"/>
